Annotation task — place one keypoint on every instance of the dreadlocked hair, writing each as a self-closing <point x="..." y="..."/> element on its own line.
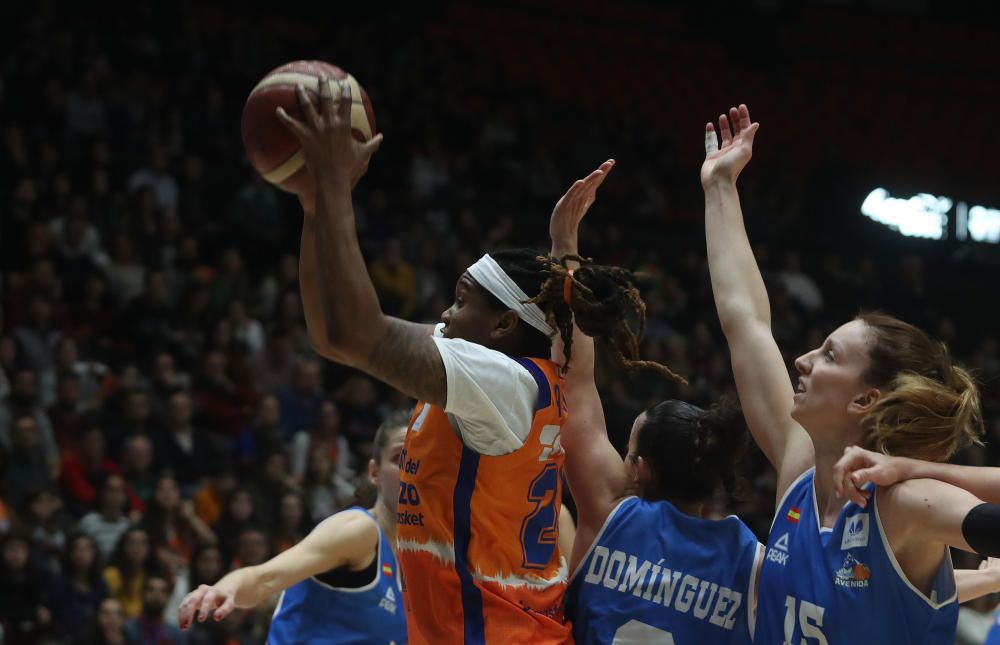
<point x="602" y="301"/>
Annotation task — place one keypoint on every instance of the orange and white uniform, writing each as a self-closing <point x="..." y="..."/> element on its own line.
<point x="480" y="494"/>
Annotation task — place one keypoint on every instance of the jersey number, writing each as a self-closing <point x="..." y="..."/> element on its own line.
<point x="810" y="621"/>
<point x="540" y="528"/>
<point x="637" y="632"/>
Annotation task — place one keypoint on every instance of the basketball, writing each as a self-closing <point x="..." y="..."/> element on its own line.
<point x="273" y="151"/>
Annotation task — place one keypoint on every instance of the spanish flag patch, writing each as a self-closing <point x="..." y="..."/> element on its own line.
<point x="793" y="515"/>
<point x="387" y="570"/>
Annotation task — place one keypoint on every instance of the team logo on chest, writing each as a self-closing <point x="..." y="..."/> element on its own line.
<point x="853" y="575"/>
<point x="855" y="532"/>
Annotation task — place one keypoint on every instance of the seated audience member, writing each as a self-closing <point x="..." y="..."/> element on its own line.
<point x="77" y="591"/>
<point x="109" y="519"/>
<point x="108" y="627"/>
<point x="24" y="612"/>
<point x="149" y="627"/>
<point x="132" y="561"/>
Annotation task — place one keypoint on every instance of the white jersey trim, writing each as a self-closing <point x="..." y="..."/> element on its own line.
<point x="378" y="558"/>
<point x="758" y="562"/>
<point x="899" y="570"/>
<point x="600" y="534"/>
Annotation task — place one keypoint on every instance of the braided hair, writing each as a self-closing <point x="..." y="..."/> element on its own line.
<point x="602" y="301"/>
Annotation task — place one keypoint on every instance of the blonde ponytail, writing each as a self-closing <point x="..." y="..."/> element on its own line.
<point x="923" y="418"/>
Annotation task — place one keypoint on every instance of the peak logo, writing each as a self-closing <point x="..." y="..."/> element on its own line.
<point x="854" y="574"/>
<point x="779" y="552"/>
<point x="855" y="532"/>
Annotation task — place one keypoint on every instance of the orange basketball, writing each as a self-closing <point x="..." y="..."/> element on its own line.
<point x="272" y="149"/>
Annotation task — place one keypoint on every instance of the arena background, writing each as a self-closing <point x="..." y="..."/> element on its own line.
<point x="141" y="257"/>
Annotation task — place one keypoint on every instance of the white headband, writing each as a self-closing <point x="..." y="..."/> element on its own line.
<point x="494" y="279"/>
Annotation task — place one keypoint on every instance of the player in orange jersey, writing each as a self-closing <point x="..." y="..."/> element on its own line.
<point x="480" y="475"/>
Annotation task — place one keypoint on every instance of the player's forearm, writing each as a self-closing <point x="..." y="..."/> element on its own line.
<point x="353" y="319"/>
<point x="982" y="482"/>
<point x="738" y="287"/>
<point x="248" y="585"/>
<point x="311" y="289"/>
<point x="974" y="584"/>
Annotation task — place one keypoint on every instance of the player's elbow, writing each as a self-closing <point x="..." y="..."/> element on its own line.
<point x="348" y="346"/>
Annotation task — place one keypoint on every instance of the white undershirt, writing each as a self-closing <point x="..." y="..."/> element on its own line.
<point x="490" y="395"/>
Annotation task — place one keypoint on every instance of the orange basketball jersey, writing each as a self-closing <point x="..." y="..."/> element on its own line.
<point x="478" y="535"/>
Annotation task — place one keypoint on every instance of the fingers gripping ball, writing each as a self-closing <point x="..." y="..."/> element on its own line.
<point x="274" y="151"/>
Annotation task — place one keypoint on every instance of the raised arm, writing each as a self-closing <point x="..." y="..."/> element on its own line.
<point x="346" y="539"/>
<point x="762" y="381"/>
<point x="859" y="466"/>
<point x="354" y="330"/>
<point x="593" y="467"/>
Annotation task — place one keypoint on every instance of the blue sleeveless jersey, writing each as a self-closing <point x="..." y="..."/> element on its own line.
<point x="656" y="575"/>
<point x="843" y="585"/>
<point x="993" y="638"/>
<point x="314" y="613"/>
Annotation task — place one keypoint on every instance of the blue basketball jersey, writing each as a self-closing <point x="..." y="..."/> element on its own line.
<point x="311" y="612"/>
<point x="993" y="638"/>
<point x="656" y="575"/>
<point x="843" y="585"/>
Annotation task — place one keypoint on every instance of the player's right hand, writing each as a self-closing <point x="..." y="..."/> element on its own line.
<point x="859" y="466"/>
<point x="329" y="148"/>
<point x="725" y="162"/>
<point x="206" y="601"/>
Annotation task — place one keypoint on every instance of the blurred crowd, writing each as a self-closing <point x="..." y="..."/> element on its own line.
<point x="163" y="418"/>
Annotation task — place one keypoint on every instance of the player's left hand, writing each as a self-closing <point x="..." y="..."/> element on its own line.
<point x="331" y="151"/>
<point x="572" y="206"/>
<point x="991" y="566"/>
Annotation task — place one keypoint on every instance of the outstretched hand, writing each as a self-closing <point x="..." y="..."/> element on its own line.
<point x="724" y="163"/>
<point x="330" y="150"/>
<point x="571" y="207"/>
<point x="203" y="602"/>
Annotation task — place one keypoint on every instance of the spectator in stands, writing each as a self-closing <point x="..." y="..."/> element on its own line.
<point x="251" y="548"/>
<point x="148" y="318"/>
<point x="150" y="627"/>
<point x="23" y="401"/>
<point x="238" y="514"/>
<point x="91" y="319"/>
<point x="131" y="563"/>
<point x="44" y="521"/>
<point x="126" y="272"/>
<point x="173" y="526"/>
<point x="395" y="280"/>
<point x="326" y="490"/>
<point x="291" y="522"/>
<point x="246" y="330"/>
<point x="76" y="593"/>
<point x="137" y="466"/>
<point x="108" y="626"/>
<point x="166" y="379"/>
<point x="275" y="364"/>
<point x="85" y="468"/>
<point x="324" y="436"/>
<point x="155" y="175"/>
<point x="301" y="400"/>
<point x="108" y="522"/>
<point x="265" y="435"/>
<point x="90" y="373"/>
<point x="187" y="452"/>
<point x="209" y="500"/>
<point x="28" y="469"/>
<point x="24" y="612"/>
<point x="66" y="414"/>
<point x="224" y="405"/>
